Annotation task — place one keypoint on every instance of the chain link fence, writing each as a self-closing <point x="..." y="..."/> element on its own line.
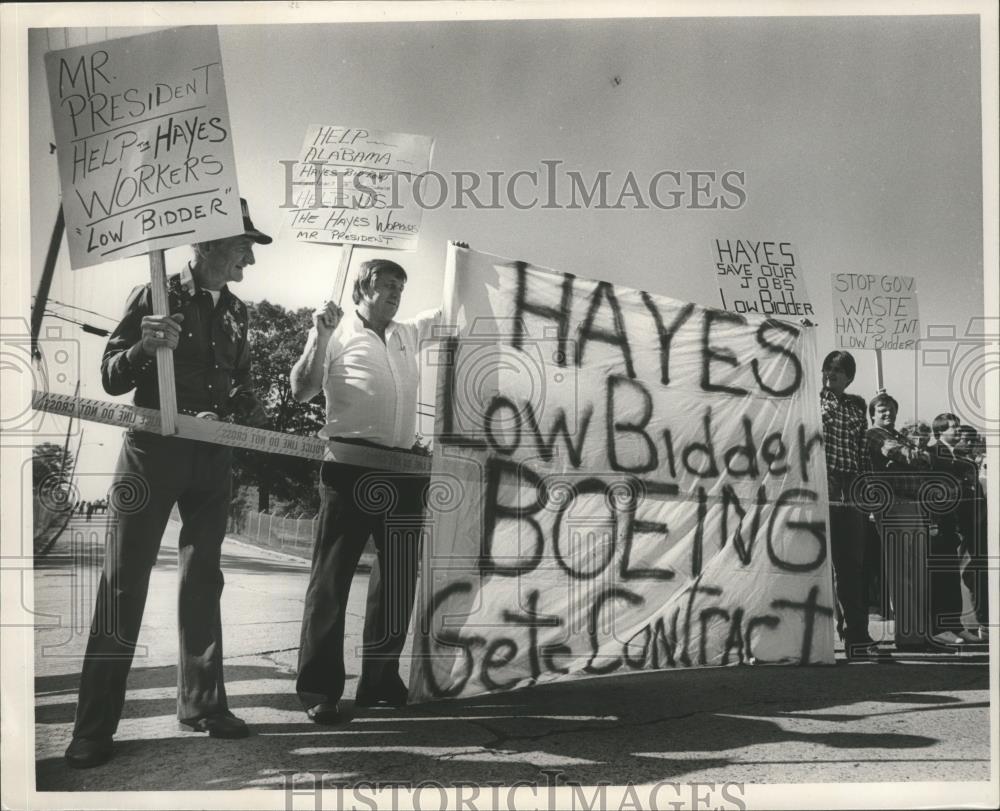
<point x="293" y="533"/>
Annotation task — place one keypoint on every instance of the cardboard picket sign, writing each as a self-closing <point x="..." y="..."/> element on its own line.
<point x="145" y="153"/>
<point x="621" y="481"/>
<point x="144" y="144"/>
<point x="875" y="311"/>
<point x="355" y="186"/>
<point x="761" y="278"/>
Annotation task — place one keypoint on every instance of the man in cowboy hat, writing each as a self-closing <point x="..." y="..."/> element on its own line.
<point x="207" y="332"/>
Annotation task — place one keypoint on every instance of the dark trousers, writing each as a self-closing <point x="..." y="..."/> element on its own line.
<point x="847" y="543"/>
<point x="943" y="575"/>
<point x="974" y="556"/>
<point x="358" y="503"/>
<point x="154" y="473"/>
<point x="921" y="573"/>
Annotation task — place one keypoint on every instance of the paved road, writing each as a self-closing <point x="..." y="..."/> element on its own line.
<point x="921" y="718"/>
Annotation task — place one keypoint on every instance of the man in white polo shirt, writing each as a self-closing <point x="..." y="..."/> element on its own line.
<point x="366" y="364"/>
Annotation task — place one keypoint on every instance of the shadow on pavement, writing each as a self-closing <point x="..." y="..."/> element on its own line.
<point x="167" y="559"/>
<point x="152" y="678"/>
<point x="649" y="727"/>
<point x="146" y="677"/>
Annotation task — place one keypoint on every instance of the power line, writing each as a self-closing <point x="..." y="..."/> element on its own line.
<point x="82" y="309"/>
<point x="86" y="327"/>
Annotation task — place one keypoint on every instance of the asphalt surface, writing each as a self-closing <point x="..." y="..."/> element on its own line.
<point x="917" y="717"/>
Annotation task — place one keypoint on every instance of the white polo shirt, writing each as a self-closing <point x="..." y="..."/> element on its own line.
<point x="371" y="387"/>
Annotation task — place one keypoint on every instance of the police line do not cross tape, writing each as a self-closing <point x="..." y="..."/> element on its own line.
<point x="940" y="492"/>
<point x="231" y="434"/>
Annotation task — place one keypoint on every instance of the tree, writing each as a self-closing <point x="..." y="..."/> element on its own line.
<point x="50" y="460"/>
<point x="277" y="337"/>
<point x="52" y="496"/>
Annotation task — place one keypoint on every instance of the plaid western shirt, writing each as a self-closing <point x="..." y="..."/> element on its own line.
<point x="844" y="426"/>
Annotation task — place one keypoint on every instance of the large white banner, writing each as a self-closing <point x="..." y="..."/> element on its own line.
<point x="621" y="481"/>
<point x="144" y="142"/>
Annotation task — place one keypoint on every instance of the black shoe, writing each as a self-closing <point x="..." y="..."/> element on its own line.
<point x="85" y="753"/>
<point x="326" y="713"/>
<point x="392" y="692"/>
<point x="947" y="639"/>
<point x="980" y="636"/>
<point x="864" y="652"/>
<point x="219" y="725"/>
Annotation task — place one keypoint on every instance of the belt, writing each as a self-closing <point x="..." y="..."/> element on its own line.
<point x="367" y="443"/>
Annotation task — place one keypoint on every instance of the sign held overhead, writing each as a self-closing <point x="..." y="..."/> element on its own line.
<point x="874" y="311"/>
<point x="760" y="278"/>
<point x="357" y="186"/>
<point x="144" y="144"/>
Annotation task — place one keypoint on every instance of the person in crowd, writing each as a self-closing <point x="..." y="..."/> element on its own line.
<point x="843" y="434"/>
<point x="917" y="433"/>
<point x="946" y="598"/>
<point x="207" y="332"/>
<point x="887" y="448"/>
<point x="955" y="452"/>
<point x="366" y="364"/>
<point x="970" y="444"/>
<point x="924" y="615"/>
<point x="945" y="430"/>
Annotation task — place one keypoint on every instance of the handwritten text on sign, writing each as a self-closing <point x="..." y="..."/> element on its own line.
<point x="871" y="311"/>
<point x="356" y="186"/>
<point x="144" y="144"/>
<point x="760" y="278"/>
<point x="642" y="486"/>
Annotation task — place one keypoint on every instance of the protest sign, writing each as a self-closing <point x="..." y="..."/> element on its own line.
<point x="621" y="481"/>
<point x="355" y="186"/>
<point x="873" y="311"/>
<point x="760" y="278"/>
<point x="144" y="144"/>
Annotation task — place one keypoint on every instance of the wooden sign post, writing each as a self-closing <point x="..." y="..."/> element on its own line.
<point x="175" y="126"/>
<point x="164" y="355"/>
<point x="340" y="282"/>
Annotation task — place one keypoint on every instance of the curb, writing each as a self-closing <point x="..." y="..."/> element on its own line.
<point x="364" y="564"/>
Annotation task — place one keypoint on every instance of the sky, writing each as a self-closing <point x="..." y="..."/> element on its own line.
<point x="860" y="140"/>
